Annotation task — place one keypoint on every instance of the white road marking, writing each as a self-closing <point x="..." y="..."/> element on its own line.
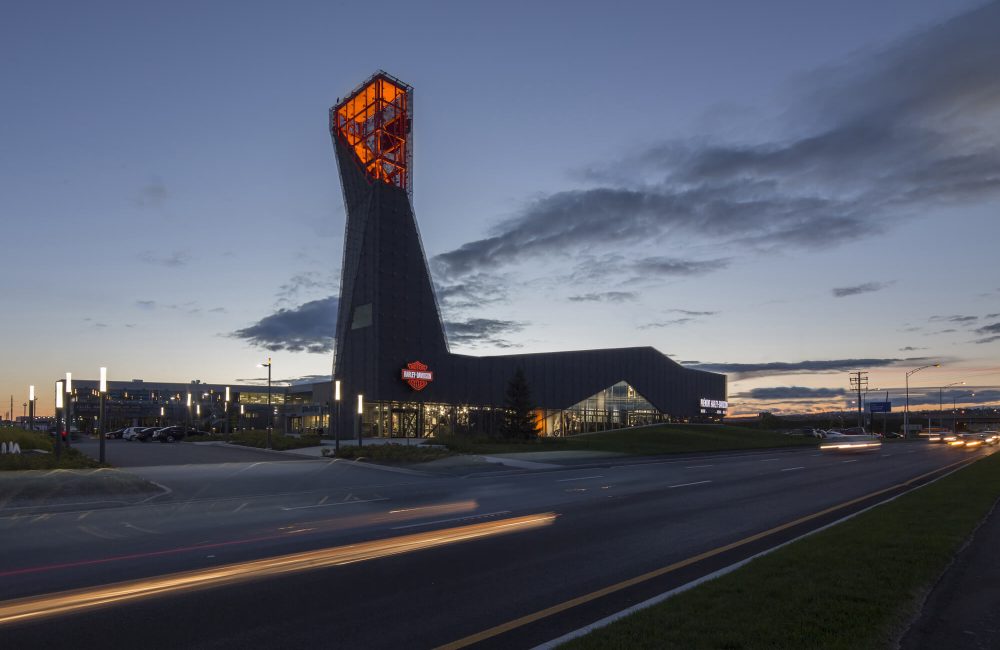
<point x="580" y="478"/>
<point x="768" y="460"/>
<point x="446" y="521"/>
<point x="84" y="515"/>
<point x="698" y="466"/>
<point x="241" y="507"/>
<point x="338" y="503"/>
<point x="853" y="460"/>
<point x="670" y="487"/>
<point x="791" y="469"/>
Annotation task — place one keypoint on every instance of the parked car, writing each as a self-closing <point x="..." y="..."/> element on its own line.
<point x="174" y="433"/>
<point x="129" y="432"/>
<point x="143" y="434"/>
<point x="117" y="433"/>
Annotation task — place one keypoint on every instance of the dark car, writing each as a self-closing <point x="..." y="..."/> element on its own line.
<point x="143" y="434"/>
<point x="117" y="433"/>
<point x="174" y="433"/>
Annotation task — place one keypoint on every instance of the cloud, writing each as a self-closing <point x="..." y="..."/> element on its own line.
<point x="990" y="333"/>
<point x="472" y="292"/>
<point x="172" y="260"/>
<point x="791" y="392"/>
<point x="688" y="312"/>
<point x="991" y="315"/>
<point x="145" y="304"/>
<point x="956" y="319"/>
<point x="867" y="145"/>
<point x="478" y="332"/>
<point x="302" y="283"/>
<point x="153" y="194"/>
<point x="910" y="348"/>
<point x="867" y="287"/>
<point x="605" y="296"/>
<point x="309" y="327"/>
<point x="672" y="266"/>
<point x="309" y="379"/>
<point x="747" y="370"/>
<point x="665" y="323"/>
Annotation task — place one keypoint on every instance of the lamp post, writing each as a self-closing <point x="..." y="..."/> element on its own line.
<point x="241" y="416"/>
<point x="357" y="421"/>
<point x="31" y="408"/>
<point x="336" y="430"/>
<point x="906" y="410"/>
<point x="189" y="410"/>
<point x="940" y="405"/>
<point x="103" y="390"/>
<point x="59" y="408"/>
<point x="954" y="408"/>
<point x="270" y="411"/>
<point x="69" y="406"/>
<point x="225" y="427"/>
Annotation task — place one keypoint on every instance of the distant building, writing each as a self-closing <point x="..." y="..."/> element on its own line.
<point x="391" y="348"/>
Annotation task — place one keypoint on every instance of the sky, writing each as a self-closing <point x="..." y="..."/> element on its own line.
<point x="783" y="191"/>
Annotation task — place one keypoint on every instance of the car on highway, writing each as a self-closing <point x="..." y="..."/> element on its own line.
<point x="975" y="439"/>
<point x="938" y="434"/>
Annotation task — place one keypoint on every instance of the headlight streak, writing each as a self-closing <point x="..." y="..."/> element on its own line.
<point x="851" y="445"/>
<point x="43" y="606"/>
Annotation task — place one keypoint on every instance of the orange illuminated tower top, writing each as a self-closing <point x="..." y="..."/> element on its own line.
<point x="375" y="122"/>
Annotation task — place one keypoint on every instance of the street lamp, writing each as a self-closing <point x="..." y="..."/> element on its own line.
<point x="69" y="406"/>
<point x="954" y="408"/>
<point x="270" y="412"/>
<point x="940" y="405"/>
<point x="189" y="409"/>
<point x="336" y="430"/>
<point x="357" y="422"/>
<point x="225" y="427"/>
<point x="31" y="408"/>
<point x="906" y="411"/>
<point x="59" y="408"/>
<point x="103" y="390"/>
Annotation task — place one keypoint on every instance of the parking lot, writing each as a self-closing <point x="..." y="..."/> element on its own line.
<point x="121" y="453"/>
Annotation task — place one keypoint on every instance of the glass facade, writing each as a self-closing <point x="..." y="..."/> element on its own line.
<point x="613" y="408"/>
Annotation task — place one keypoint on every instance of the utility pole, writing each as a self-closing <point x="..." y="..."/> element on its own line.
<point x="859" y="382"/>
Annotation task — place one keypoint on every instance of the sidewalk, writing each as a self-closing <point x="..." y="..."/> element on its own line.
<point x="963" y="608"/>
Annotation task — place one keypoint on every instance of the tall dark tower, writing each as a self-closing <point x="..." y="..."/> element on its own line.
<point x="388" y="316"/>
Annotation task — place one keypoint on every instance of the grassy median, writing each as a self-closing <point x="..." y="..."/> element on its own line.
<point x="853" y="586"/>
<point x="646" y="441"/>
<point x="38" y="452"/>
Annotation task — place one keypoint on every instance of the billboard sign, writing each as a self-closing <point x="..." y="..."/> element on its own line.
<point x="880" y="407"/>
<point x="417" y="375"/>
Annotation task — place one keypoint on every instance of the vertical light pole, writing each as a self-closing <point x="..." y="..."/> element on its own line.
<point x="241" y="416"/>
<point x="357" y="421"/>
<point x="162" y="409"/>
<point x="270" y="410"/>
<point x="336" y="430"/>
<point x="103" y="390"/>
<point x="189" y="410"/>
<point x="59" y="413"/>
<point x="940" y="405"/>
<point x="906" y="410"/>
<point x="69" y="406"/>
<point x="31" y="408"/>
<point x="225" y="427"/>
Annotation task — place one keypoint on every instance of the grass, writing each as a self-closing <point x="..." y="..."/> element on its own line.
<point x="647" y="441"/>
<point x="30" y="440"/>
<point x="279" y="441"/>
<point x="392" y="454"/>
<point x="853" y="586"/>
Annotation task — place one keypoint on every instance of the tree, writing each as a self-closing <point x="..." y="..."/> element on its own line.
<point x="519" y="421"/>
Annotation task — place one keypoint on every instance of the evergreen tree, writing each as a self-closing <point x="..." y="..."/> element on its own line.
<point x="519" y="420"/>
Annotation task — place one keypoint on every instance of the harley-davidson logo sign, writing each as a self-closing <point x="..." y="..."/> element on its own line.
<point x="417" y="375"/>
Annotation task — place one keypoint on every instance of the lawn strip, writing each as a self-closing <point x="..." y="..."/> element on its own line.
<point x="852" y="586"/>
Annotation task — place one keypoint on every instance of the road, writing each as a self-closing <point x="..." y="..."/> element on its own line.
<point x="401" y="559"/>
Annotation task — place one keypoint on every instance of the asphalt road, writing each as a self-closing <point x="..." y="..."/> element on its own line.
<point x="612" y="523"/>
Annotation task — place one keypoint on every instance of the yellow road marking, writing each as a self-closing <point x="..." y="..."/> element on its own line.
<point x="625" y="584"/>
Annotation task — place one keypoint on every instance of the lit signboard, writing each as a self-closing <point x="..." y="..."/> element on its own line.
<point x="714" y="403"/>
<point x="417" y="375"/>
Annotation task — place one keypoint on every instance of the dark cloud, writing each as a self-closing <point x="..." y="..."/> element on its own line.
<point x="307" y="328"/>
<point x="479" y="332"/>
<point x="472" y="292"/>
<point x="152" y="194"/>
<point x="145" y="304"/>
<point x="990" y="333"/>
<point x="867" y="287"/>
<point x="688" y="312"/>
<point x="302" y="283"/>
<point x="991" y="315"/>
<point x="309" y="379"/>
<point x="910" y="348"/>
<point x="747" y="370"/>
<point x="171" y="260"/>
<point x="666" y="323"/>
<point x="956" y="319"/>
<point x="672" y="266"/>
<point x="218" y="310"/>
<point x="791" y="392"/>
<point x="868" y="144"/>
<point x="606" y="296"/>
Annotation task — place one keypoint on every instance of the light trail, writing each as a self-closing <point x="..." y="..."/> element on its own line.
<point x="47" y="605"/>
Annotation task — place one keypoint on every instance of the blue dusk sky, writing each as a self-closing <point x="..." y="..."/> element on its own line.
<point x="784" y="191"/>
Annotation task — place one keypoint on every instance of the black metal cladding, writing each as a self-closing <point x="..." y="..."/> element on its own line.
<point x="384" y="267"/>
